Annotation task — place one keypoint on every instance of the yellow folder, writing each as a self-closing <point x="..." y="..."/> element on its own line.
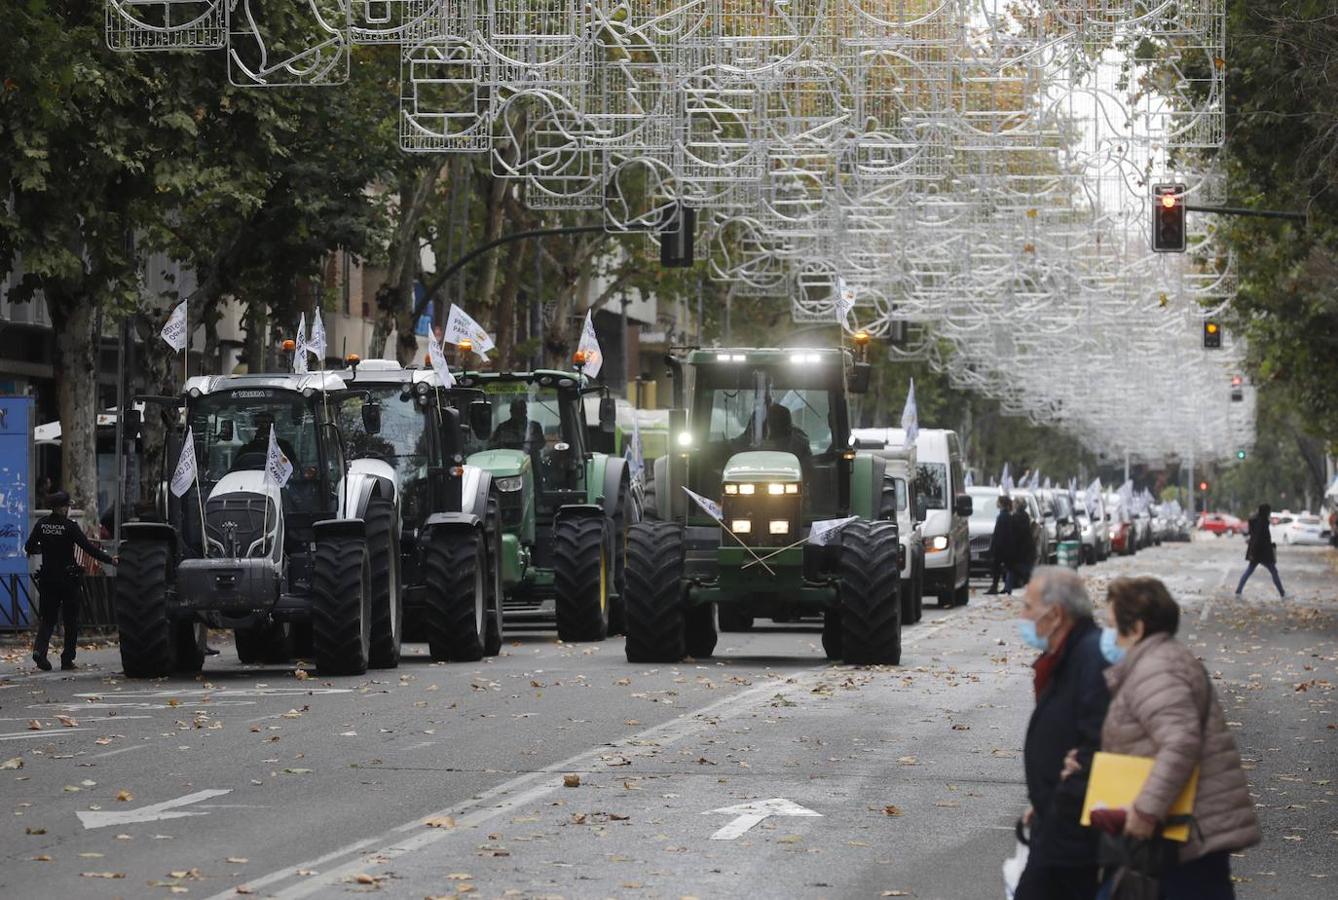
<point x="1116" y="781"/>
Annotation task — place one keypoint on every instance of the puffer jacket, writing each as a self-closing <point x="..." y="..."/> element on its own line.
<point x="1159" y="694"/>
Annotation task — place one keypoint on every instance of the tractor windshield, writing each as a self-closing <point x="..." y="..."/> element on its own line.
<point x="524" y="417"/>
<point x="232" y="428"/>
<point x="402" y="440"/>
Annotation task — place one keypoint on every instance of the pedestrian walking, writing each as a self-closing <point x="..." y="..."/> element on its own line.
<point x="1024" y="547"/>
<point x="1163" y="706"/>
<point x="1000" y="546"/>
<point x="1261" y="551"/>
<point x="1071" y="701"/>
<point x="55" y="536"/>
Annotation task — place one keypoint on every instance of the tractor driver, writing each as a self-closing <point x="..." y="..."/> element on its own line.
<point x="782" y="434"/>
<point x="259" y="443"/>
<point x="518" y="432"/>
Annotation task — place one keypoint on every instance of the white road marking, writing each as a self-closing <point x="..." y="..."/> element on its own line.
<point x="186" y="694"/>
<point x="112" y="752"/>
<point x="750" y="814"/>
<point x="151" y="813"/>
<point x="45" y="733"/>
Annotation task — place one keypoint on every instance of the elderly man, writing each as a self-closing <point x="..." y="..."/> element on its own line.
<point x="1071" y="701"/>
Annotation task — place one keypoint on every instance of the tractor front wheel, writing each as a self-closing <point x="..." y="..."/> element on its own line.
<point x="383" y="555"/>
<point x="148" y="640"/>
<point x="870" y="607"/>
<point x="656" y="621"/>
<point x="581" y="578"/>
<point x="455" y="592"/>
<point x="341" y="611"/>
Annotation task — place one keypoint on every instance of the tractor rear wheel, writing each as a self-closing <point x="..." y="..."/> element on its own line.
<point x="148" y="642"/>
<point x="870" y="607"/>
<point x="702" y="630"/>
<point x="455" y="594"/>
<point x="383" y="555"/>
<point x="581" y="578"/>
<point x="831" y="633"/>
<point x="271" y="643"/>
<point x="656" y="623"/>
<point x="341" y="614"/>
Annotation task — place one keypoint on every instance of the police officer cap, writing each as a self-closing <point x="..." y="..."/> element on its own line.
<point x="58" y="499"/>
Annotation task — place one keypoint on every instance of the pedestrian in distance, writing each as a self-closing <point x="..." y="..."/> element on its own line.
<point x="1023" y="553"/>
<point x="55" y="536"/>
<point x="1001" y="545"/>
<point x="1071" y="701"/>
<point x="1261" y="551"/>
<point x="1163" y="706"/>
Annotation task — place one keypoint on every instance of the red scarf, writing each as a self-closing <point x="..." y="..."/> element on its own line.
<point x="1046" y="664"/>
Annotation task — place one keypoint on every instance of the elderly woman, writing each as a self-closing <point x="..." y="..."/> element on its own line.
<point x="1163" y="706"/>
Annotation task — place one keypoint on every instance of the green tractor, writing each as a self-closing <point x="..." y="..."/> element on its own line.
<point x="565" y="508"/>
<point x="786" y="517"/>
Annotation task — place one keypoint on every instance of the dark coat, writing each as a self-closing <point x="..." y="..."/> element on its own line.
<point x="1001" y="546"/>
<point x="1261" y="549"/>
<point x="1024" y="542"/>
<point x="1068" y="714"/>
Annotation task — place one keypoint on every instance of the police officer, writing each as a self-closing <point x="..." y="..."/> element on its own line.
<point x="58" y="581"/>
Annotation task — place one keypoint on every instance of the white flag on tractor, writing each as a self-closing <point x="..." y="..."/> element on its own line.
<point x="910" y="416"/>
<point x="824" y="530"/>
<point x="316" y="345"/>
<point x="184" y="476"/>
<point x="636" y="458"/>
<point x="278" y="468"/>
<point x="300" y="353"/>
<point x="709" y="506"/>
<point x="438" y="358"/>
<point x="1006" y="480"/>
<point x="174" y="332"/>
<point x="460" y="327"/>
<point x="589" y="345"/>
<point x="845" y="300"/>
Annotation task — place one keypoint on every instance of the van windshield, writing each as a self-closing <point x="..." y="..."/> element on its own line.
<point x="931" y="481"/>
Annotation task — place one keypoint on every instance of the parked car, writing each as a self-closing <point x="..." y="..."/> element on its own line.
<point x="1302" y="529"/>
<point x="1061" y="523"/>
<point x="984" y="510"/>
<point x="1142" y="530"/>
<point x="1038" y="534"/>
<point x="1123" y="539"/>
<point x="1095" y="531"/>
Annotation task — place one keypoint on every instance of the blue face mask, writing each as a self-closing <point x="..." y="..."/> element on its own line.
<point x="1026" y="629"/>
<point x="1112" y="651"/>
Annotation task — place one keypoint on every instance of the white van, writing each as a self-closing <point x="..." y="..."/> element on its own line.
<point x="944" y="508"/>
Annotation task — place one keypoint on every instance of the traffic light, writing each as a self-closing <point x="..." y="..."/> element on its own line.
<point x="1237" y="395"/>
<point x="1212" y="334"/>
<point x="1203" y="487"/>
<point x="1168" y="218"/>
<point x="677" y="231"/>
<point x="1240" y="454"/>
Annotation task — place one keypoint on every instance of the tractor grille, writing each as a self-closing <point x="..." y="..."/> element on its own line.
<point x="235" y="522"/>
<point x="759" y="510"/>
<point x="511" y="506"/>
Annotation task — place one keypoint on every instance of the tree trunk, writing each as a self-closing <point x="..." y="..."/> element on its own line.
<point x="257" y="321"/>
<point x="75" y="371"/>
<point x="504" y="319"/>
<point x="496" y="216"/>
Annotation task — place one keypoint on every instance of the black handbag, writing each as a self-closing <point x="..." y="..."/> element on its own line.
<point x="1145" y="856"/>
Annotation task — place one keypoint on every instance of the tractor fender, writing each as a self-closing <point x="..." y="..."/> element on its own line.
<point x="366" y="478"/>
<point x="579" y="510"/>
<point x="615" y="473"/>
<point x="451" y="520"/>
<point x="149" y="531"/>
<point x="474" y="491"/>
<point x="333" y="529"/>
<point x="665" y="502"/>
<point x="866" y="485"/>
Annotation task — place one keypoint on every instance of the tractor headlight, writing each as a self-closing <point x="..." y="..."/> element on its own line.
<point x="510" y="484"/>
<point x="741" y="526"/>
<point x="780" y="526"/>
<point x="775" y="488"/>
<point x="684" y="439"/>
<point x="421" y="388"/>
<point x="938" y="543"/>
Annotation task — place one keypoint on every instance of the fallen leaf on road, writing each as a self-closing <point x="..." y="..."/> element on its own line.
<point x="571" y="781"/>
<point x="364" y="878"/>
<point x="124" y="796"/>
<point x="891" y="810"/>
<point x="440" y="822"/>
<point x="37" y="830"/>
<point x="244" y="889"/>
<point x="297" y="771"/>
<point x="15" y="762"/>
<point x="237" y="860"/>
<point x="895" y="894"/>
<point x="459" y="876"/>
<point x="300" y="674"/>
<point x="101" y="874"/>
<point x="907" y="760"/>
<point x="789" y="839"/>
<point x="42" y="858"/>
<point x="34" y="725"/>
<point x="68" y="721"/>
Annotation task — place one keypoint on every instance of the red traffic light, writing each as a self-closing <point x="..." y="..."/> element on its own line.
<point x="1203" y="485"/>
<point x="1237" y="381"/>
<point x="1168" y="201"/>
<point x="1168" y="218"/>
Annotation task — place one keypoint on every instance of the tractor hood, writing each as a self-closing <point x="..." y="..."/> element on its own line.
<point x="763" y="465"/>
<point x="501" y="463"/>
<point x="246" y="481"/>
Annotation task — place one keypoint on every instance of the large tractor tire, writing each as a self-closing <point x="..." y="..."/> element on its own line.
<point x="919" y="588"/>
<point x="870" y="607"/>
<point x="907" y="595"/>
<point x="191" y="637"/>
<point x="148" y="639"/>
<point x="731" y="619"/>
<point x="341" y="611"/>
<point x="456" y="593"/>
<point x="581" y="578"/>
<point x="268" y="643"/>
<point x="624" y="518"/>
<point x="496" y="625"/>
<point x="702" y="630"/>
<point x="656" y="620"/>
<point x="383" y="558"/>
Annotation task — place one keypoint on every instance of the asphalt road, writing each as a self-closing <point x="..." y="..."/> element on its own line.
<point x="438" y="780"/>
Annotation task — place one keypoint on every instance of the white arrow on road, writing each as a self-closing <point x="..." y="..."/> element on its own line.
<point x="749" y="814"/>
<point x="151" y="813"/>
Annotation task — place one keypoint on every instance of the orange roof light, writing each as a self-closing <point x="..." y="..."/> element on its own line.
<point x="289" y="345"/>
<point x="861" y="337"/>
<point x="427" y="359"/>
<point x="465" y="345"/>
<point x="579" y="358"/>
<point x="353" y="359"/>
